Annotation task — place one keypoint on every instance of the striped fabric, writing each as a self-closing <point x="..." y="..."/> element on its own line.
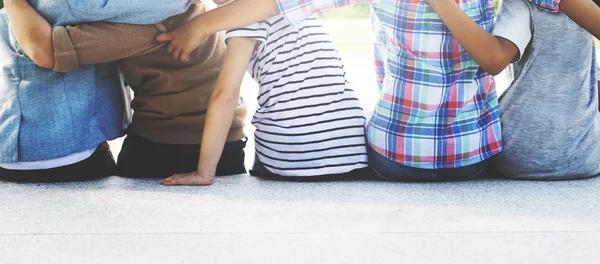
<point x="437" y="109"/>
<point x="309" y="121"/>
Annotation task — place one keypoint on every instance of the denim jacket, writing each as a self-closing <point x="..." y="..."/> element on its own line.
<point x="46" y="115"/>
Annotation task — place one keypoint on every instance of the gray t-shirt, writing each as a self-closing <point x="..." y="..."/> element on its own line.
<point x="549" y="114"/>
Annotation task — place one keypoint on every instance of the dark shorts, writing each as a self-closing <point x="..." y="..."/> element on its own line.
<point x="142" y="158"/>
<point x="389" y="170"/>
<point x="259" y="170"/>
<point x="100" y="165"/>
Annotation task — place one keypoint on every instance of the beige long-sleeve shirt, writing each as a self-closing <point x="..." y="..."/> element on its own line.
<point x="171" y="97"/>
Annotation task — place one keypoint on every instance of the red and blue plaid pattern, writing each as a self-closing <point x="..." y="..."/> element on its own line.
<point x="548" y="5"/>
<point x="437" y="108"/>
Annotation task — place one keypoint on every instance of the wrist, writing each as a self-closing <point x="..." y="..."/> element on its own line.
<point x="199" y="26"/>
<point x="206" y="173"/>
<point x="207" y="23"/>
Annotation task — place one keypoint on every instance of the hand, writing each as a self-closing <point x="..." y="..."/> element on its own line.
<point x="184" y="40"/>
<point x="190" y="179"/>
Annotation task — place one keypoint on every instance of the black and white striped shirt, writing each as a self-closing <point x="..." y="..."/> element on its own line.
<point x="309" y="120"/>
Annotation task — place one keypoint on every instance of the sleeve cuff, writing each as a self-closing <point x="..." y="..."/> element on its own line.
<point x="65" y="56"/>
<point x="295" y="11"/>
<point x="547" y="5"/>
<point x="161" y="27"/>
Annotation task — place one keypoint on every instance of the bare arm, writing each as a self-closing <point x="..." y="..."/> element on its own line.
<point x="584" y="12"/>
<point x="32" y="32"/>
<point x="65" y="48"/>
<point x="240" y="13"/>
<point x="221" y="110"/>
<point x="188" y="37"/>
<point x="492" y="53"/>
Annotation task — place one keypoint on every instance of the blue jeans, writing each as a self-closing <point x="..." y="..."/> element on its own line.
<point x="389" y="170"/>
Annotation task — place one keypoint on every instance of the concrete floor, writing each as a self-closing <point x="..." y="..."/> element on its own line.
<point x="242" y="219"/>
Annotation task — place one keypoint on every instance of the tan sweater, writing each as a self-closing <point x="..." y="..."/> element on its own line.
<point x="171" y="97"/>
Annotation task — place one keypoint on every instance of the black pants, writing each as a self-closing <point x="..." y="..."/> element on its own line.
<point x="142" y="158"/>
<point x="259" y="170"/>
<point x="101" y="164"/>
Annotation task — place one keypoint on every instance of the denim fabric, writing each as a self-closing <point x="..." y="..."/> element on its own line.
<point x="46" y="115"/>
<point x="389" y="170"/>
<point x="121" y="11"/>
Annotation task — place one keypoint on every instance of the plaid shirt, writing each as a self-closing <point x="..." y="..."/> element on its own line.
<point x="437" y="108"/>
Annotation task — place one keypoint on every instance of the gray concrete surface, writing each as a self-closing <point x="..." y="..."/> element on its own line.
<point x="242" y="219"/>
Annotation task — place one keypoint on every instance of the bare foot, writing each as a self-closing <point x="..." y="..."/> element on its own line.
<point x="191" y="179"/>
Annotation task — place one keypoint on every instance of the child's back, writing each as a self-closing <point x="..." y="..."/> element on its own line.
<point x="550" y="118"/>
<point x="437" y="109"/>
<point x="309" y="122"/>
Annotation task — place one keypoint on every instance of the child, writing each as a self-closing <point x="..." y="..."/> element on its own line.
<point x="171" y="97"/>
<point x="54" y="126"/>
<point x="550" y="117"/>
<point x="309" y="122"/>
<point x="437" y="117"/>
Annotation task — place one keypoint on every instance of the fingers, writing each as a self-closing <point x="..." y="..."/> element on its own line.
<point x="184" y="180"/>
<point x="170" y="181"/>
<point x="190" y="179"/>
<point x="165" y="182"/>
<point x="179" y="50"/>
<point x="184" y="57"/>
<point x="178" y="179"/>
<point x="177" y="53"/>
<point x="181" y="54"/>
<point x="164" y="37"/>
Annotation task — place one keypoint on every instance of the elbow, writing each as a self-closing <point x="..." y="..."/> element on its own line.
<point x="42" y="59"/>
<point x="496" y="61"/>
<point x="495" y="64"/>
<point x="494" y="69"/>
